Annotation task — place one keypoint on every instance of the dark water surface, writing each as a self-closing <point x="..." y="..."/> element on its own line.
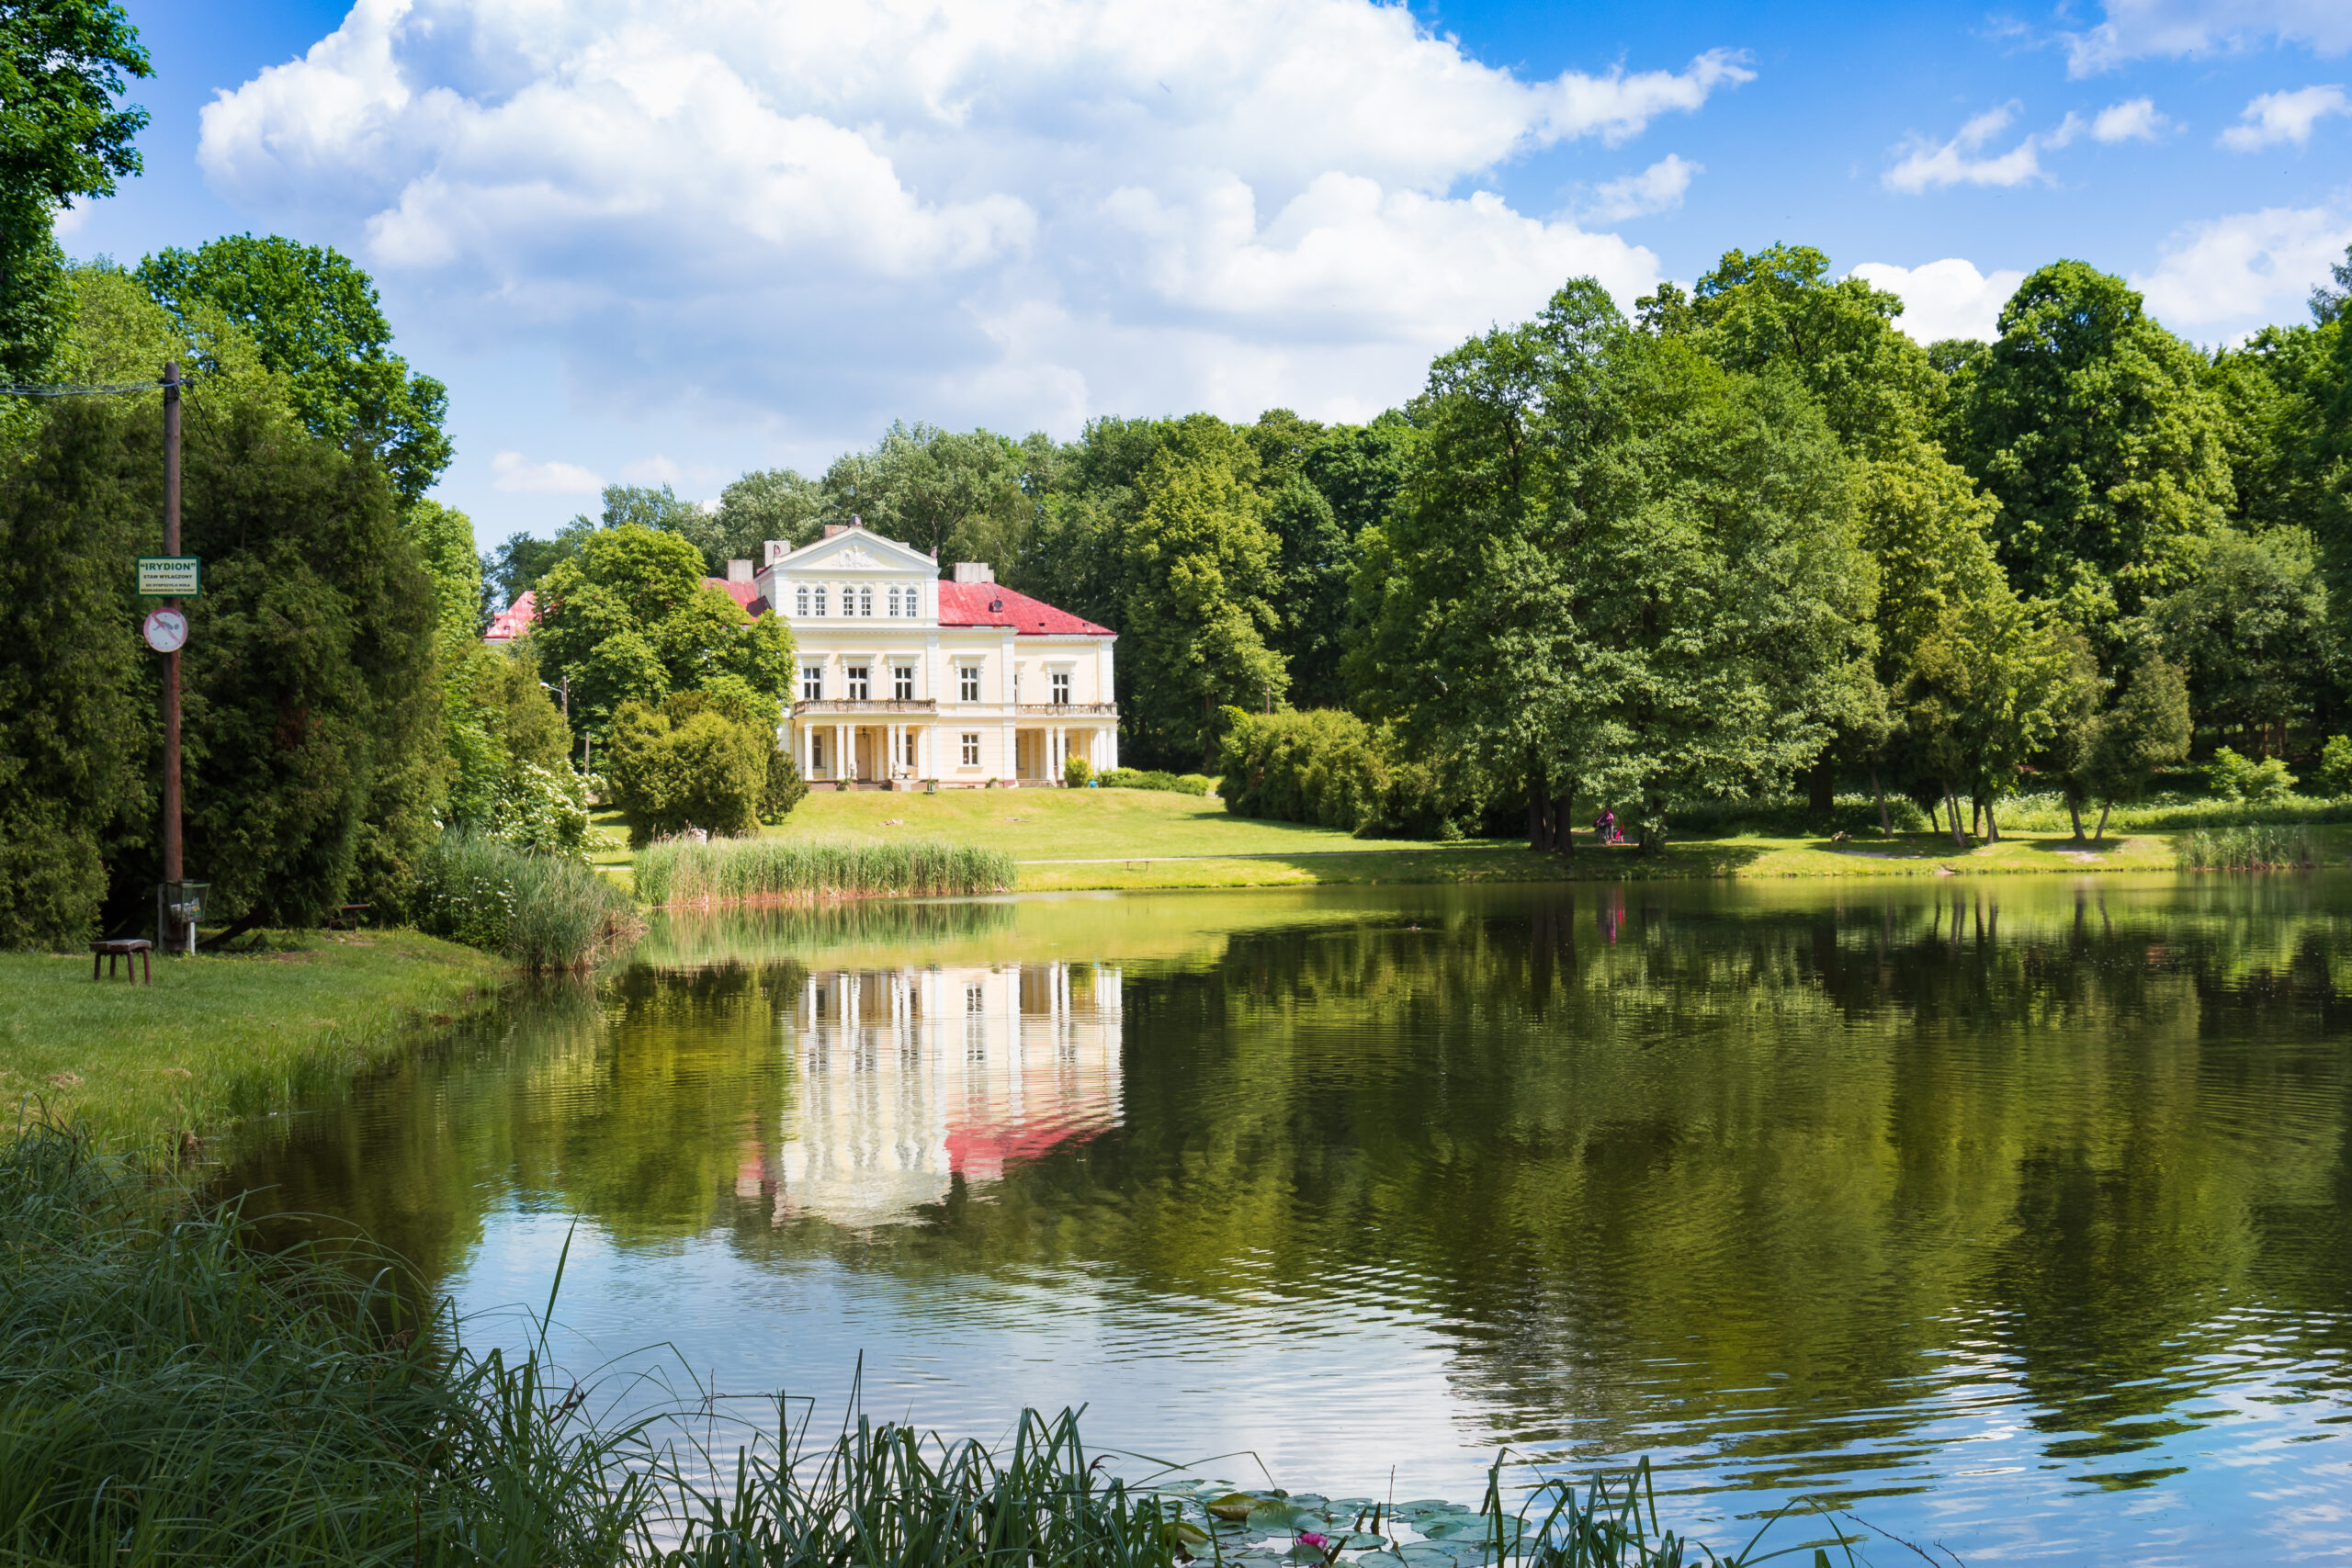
<point x="2010" y="1213"/>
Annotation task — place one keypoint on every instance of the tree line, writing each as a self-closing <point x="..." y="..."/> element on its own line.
<point x="1750" y="535"/>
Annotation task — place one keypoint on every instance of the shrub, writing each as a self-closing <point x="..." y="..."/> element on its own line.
<point x="1143" y="778"/>
<point x="1076" y="771"/>
<point x="2232" y="777"/>
<point x="2335" y="778"/>
<point x="543" y="809"/>
<point x="1319" y="765"/>
<point x="686" y="764"/>
<point x="683" y="871"/>
<point x="544" y="911"/>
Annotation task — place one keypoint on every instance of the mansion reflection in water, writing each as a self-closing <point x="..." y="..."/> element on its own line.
<point x="909" y="1078"/>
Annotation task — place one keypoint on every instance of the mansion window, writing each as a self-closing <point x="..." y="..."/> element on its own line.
<point x="812" y="682"/>
<point x="914" y="603"/>
<point x="894" y="602"/>
<point x="865" y="601"/>
<point x="1062" y="686"/>
<point x="903" y="682"/>
<point x="800" y="600"/>
<point x="911" y="746"/>
<point x="820" y="599"/>
<point x="857" y="683"/>
<point x="967" y="682"/>
<point x="971" y="750"/>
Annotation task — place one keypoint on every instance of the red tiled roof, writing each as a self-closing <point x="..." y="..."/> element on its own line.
<point x="743" y="593"/>
<point x="990" y="604"/>
<point x="515" y="620"/>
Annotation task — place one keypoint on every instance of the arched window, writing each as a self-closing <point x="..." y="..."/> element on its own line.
<point x="914" y="602"/>
<point x="820" y="599"/>
<point x="865" y="602"/>
<point x="894" y="602"/>
<point x="800" y="600"/>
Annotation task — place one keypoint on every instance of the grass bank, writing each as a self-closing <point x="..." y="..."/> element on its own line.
<point x="218" y="1037"/>
<point x="171" y="1391"/>
<point x="687" y="873"/>
<point x="1082" y="840"/>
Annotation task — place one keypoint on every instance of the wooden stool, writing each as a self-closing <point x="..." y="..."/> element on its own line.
<point x="124" y="948"/>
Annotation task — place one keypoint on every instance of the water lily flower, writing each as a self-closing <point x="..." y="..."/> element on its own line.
<point x="1319" y="1542"/>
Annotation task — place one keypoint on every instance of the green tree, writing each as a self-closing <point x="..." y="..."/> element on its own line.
<point x="1199" y="611"/>
<point x="2253" y="633"/>
<point x="64" y="134"/>
<point x="630" y="619"/>
<point x="318" y="323"/>
<point x="2147" y="728"/>
<point x="1617" y="565"/>
<point x="2098" y="432"/>
<point x="1986" y="691"/>
<point x="770" y="504"/>
<point x="686" y="764"/>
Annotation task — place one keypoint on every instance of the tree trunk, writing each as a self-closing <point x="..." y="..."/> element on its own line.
<point x="1976" y="817"/>
<point x="1885" y="828"/>
<point x="1992" y="825"/>
<point x="2074" y="810"/>
<point x="2104" y="808"/>
<point x="1538" y="797"/>
<point x="1952" y="812"/>
<point x="1822" y="798"/>
<point x="1564" y="822"/>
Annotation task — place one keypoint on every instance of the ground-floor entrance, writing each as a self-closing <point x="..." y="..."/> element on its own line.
<point x="952" y="751"/>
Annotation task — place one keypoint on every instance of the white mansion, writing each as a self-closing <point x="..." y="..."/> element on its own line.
<point x="902" y="677"/>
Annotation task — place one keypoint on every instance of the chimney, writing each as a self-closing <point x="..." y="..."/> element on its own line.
<point x="774" y="551"/>
<point x="738" y="572"/>
<point x="834" y="528"/>
<point x="974" y="572"/>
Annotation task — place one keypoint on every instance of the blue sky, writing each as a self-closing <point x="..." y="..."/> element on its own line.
<point x="673" y="240"/>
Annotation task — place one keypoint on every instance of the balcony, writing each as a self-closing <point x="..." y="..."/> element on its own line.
<point x="1065" y="710"/>
<point x="862" y="707"/>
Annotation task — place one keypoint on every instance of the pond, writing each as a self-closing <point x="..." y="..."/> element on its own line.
<point x="2008" y="1214"/>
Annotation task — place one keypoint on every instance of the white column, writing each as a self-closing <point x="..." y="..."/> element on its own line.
<point x="842" y="758"/>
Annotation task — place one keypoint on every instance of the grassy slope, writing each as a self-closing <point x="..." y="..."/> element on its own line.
<point x="1141" y="839"/>
<point x="216" y="1038"/>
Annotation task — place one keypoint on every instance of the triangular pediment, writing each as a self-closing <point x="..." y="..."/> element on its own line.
<point x="857" y="550"/>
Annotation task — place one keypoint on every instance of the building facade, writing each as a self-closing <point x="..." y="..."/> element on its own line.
<point x="901" y="677"/>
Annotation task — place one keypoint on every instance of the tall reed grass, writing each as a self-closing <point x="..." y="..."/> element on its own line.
<point x="173" y="1393"/>
<point x="2257" y="848"/>
<point x="681" y="871"/>
<point x="544" y="911"/>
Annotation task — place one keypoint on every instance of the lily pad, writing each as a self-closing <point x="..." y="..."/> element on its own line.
<point x="1233" y="1506"/>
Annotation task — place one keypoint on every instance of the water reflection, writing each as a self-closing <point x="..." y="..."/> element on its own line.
<point x="910" y="1079"/>
<point x="2017" y="1212"/>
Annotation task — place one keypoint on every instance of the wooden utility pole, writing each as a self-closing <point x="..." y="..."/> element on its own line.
<point x="173" y="868"/>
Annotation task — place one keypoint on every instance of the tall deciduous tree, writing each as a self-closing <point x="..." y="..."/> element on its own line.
<point x="64" y="134"/>
<point x="1199" y="609"/>
<point x="2096" y="431"/>
<point x="2252" y="631"/>
<point x="629" y="619"/>
<point x="1617" y="564"/>
<point x="318" y="323"/>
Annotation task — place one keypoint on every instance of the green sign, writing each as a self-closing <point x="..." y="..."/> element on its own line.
<point x="170" y="576"/>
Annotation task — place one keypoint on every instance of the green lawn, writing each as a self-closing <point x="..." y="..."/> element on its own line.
<point x="220" y="1037"/>
<point x="1069" y="839"/>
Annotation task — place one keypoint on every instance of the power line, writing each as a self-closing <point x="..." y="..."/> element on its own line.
<point x="80" y="390"/>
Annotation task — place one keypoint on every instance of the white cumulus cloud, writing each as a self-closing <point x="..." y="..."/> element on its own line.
<point x="1023" y="210"/>
<point x="1658" y="188"/>
<point x="2137" y="29"/>
<point x="515" y="475"/>
<point x="2135" y="119"/>
<point x="1945" y="299"/>
<point x="2248" y="267"/>
<point x="2284" y="116"/>
<point x="1927" y="163"/>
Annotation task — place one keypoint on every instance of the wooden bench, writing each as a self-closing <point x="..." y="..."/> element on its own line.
<point x="347" y="917"/>
<point x="124" y="948"/>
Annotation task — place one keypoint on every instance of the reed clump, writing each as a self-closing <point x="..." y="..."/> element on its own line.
<point x="544" y="911"/>
<point x="682" y="873"/>
<point x="2248" y="847"/>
